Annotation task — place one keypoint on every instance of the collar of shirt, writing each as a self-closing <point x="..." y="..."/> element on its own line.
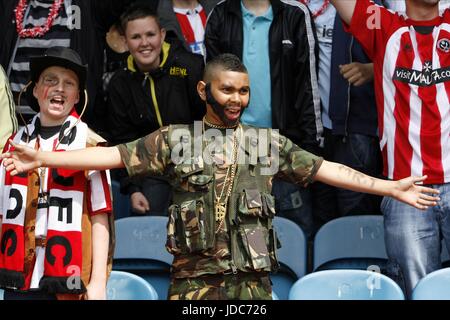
<point x="247" y="14"/>
<point x="196" y="10"/>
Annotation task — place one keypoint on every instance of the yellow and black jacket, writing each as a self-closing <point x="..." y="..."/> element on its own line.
<point x="140" y="103"/>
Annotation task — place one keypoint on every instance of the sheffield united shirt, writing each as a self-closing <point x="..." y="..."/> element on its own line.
<point x="412" y="85"/>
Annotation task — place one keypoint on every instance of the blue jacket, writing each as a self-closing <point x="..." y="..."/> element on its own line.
<point x="352" y="109"/>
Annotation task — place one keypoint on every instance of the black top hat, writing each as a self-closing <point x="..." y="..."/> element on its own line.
<point x="61" y="57"/>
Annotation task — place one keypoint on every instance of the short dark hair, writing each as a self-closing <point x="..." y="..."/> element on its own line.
<point x="137" y="11"/>
<point x="224" y="62"/>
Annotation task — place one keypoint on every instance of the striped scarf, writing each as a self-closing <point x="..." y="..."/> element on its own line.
<point x="62" y="257"/>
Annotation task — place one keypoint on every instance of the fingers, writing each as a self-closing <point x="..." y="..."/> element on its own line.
<point x="7" y="161"/>
<point x="424" y="190"/>
<point x="420" y="207"/>
<point x="5" y="155"/>
<point x="10" y="167"/>
<point x="344" y="68"/>
<point x="141" y="205"/>
<point x="419" y="179"/>
<point x="13" y="169"/>
<point x="359" y="82"/>
<point x="352" y="73"/>
<point x="16" y="146"/>
<point x="139" y="209"/>
<point x="12" y="143"/>
<point x="428" y="190"/>
<point x="429" y="198"/>
<point x="357" y="79"/>
<point x="426" y="203"/>
<point x="145" y="204"/>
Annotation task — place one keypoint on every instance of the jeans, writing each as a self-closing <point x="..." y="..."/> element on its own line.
<point x="413" y="238"/>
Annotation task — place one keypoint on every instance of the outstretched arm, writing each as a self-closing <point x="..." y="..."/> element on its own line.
<point x="148" y="155"/>
<point x="23" y="159"/>
<point x="345" y="9"/>
<point x="404" y="190"/>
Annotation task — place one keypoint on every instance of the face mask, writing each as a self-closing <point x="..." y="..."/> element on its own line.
<point x="219" y="109"/>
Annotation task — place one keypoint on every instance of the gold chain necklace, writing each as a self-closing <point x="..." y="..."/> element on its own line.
<point x="217" y="126"/>
<point x="220" y="205"/>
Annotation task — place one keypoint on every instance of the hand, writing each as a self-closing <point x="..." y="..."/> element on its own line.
<point x="139" y="203"/>
<point x="21" y="159"/>
<point x="357" y="73"/>
<point x="408" y="191"/>
<point x="96" y="291"/>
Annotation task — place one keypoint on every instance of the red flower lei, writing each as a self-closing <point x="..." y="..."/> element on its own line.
<point x="38" y="31"/>
<point x="321" y="10"/>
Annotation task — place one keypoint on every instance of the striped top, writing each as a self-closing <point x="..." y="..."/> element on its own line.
<point x="59" y="35"/>
<point x="412" y="87"/>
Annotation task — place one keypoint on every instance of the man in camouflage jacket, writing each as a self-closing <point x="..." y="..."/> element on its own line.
<point x="220" y="225"/>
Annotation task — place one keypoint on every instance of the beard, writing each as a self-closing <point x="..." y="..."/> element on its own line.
<point x="219" y="109"/>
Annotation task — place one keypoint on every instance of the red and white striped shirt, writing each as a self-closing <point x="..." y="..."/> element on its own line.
<point x="412" y="86"/>
<point x="192" y="24"/>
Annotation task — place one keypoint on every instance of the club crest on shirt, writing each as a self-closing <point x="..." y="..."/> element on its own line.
<point x="444" y="45"/>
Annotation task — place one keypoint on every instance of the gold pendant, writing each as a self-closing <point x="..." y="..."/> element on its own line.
<point x="220" y="211"/>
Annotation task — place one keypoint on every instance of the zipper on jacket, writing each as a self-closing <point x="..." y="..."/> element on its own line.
<point x="155" y="101"/>
<point x="349" y="88"/>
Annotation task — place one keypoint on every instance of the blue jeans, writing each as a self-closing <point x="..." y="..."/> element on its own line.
<point x="413" y="238"/>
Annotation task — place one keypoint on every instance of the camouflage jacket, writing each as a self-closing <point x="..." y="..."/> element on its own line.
<point x="247" y="242"/>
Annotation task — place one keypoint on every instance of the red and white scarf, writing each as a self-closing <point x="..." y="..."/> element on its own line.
<point x="62" y="256"/>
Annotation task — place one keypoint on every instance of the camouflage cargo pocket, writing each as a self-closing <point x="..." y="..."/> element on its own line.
<point x="173" y="230"/>
<point x="268" y="205"/>
<point x="191" y="178"/>
<point x="199" y="183"/>
<point x="256" y="204"/>
<point x="254" y="241"/>
<point x="194" y="228"/>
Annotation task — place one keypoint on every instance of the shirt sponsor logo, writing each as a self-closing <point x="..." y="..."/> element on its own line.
<point x="425" y="78"/>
